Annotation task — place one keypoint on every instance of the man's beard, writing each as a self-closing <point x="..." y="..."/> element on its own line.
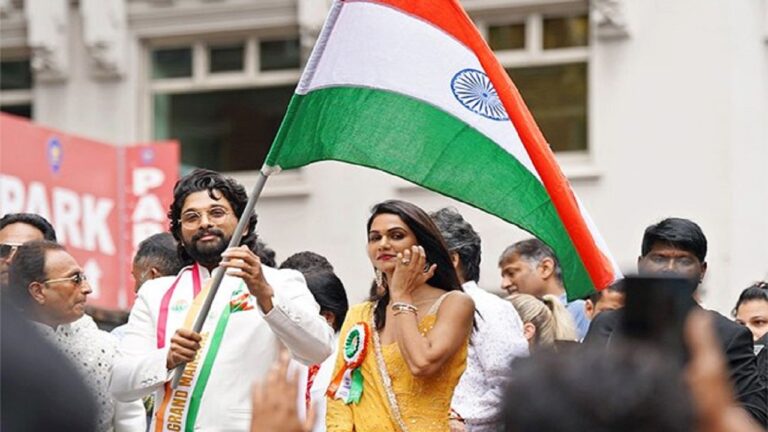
<point x="209" y="253"/>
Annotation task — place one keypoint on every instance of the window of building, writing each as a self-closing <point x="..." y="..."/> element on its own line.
<point x="279" y="54"/>
<point x="16" y="87"/>
<point x="223" y="100"/>
<point x="547" y="57"/>
<point x="227" y="130"/>
<point x="172" y="63"/>
<point x="507" y="36"/>
<point x="226" y="58"/>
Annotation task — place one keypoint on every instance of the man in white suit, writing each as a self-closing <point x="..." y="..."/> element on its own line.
<point x="257" y="310"/>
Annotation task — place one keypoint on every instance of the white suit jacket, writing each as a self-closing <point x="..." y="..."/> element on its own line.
<point x="249" y="346"/>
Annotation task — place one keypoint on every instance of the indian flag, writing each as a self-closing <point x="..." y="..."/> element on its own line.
<point x="410" y="87"/>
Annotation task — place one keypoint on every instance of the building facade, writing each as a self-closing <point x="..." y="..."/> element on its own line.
<point x="654" y="108"/>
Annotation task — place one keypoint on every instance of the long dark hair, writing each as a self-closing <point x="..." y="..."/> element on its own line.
<point x="427" y="236"/>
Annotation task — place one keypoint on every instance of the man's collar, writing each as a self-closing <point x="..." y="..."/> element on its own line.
<point x="470" y="285"/>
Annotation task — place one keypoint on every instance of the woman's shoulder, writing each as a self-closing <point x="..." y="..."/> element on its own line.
<point x="459" y="297"/>
<point x="455" y="300"/>
<point x="360" y="309"/>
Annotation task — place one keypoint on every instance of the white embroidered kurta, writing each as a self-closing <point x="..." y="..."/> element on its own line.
<point x="93" y="353"/>
<point x="248" y="347"/>
<point x="497" y="339"/>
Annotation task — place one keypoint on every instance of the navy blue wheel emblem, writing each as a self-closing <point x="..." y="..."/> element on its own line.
<point x="147" y="155"/>
<point x="474" y="91"/>
<point x="55" y="154"/>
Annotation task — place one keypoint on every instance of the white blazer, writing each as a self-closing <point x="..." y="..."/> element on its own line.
<point x="249" y="346"/>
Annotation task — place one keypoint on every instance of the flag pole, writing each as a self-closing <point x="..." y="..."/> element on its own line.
<point x="218" y="275"/>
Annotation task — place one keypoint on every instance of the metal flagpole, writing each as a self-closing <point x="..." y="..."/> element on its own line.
<point x="218" y="275"/>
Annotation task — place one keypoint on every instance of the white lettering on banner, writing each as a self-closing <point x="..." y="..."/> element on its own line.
<point x="148" y="216"/>
<point x="66" y="215"/>
<point x="93" y="273"/>
<point x="37" y="201"/>
<point x="146" y="178"/>
<point x="148" y="208"/>
<point x="11" y="194"/>
<point x="80" y="220"/>
<point x="95" y="229"/>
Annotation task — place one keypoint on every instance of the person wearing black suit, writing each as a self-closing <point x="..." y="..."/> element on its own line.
<point x="762" y="357"/>
<point x="678" y="247"/>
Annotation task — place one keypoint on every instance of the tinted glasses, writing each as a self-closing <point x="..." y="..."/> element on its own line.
<point x="77" y="279"/>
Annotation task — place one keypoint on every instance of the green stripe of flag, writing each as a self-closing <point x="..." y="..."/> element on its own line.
<point x="429" y="147"/>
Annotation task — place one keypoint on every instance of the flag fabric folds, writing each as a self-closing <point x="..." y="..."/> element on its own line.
<point x="409" y="87"/>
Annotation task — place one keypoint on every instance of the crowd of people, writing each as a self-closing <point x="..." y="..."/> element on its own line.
<point x="281" y="349"/>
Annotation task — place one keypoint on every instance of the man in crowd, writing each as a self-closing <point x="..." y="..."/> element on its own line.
<point x="306" y="261"/>
<point x="325" y="286"/>
<point x="496" y="340"/>
<point x="610" y="298"/>
<point x="17" y="229"/>
<point x="628" y="389"/>
<point x="678" y="247"/>
<point x="531" y="267"/>
<point x="256" y="309"/>
<point x="50" y="288"/>
<point x="156" y="256"/>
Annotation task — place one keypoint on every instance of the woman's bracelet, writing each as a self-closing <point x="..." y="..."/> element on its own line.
<point x="400" y="307"/>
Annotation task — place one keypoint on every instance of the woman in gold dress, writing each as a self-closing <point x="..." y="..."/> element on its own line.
<point x="402" y="353"/>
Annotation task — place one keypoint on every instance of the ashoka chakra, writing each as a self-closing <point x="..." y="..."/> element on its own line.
<point x="474" y="91"/>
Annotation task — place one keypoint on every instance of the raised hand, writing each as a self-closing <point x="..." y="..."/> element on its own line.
<point x="411" y="272"/>
<point x="241" y="262"/>
<point x="274" y="402"/>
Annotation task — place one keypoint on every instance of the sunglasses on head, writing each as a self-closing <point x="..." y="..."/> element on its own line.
<point x="8" y="249"/>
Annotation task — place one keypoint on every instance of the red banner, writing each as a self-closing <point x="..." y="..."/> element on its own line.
<point x="102" y="199"/>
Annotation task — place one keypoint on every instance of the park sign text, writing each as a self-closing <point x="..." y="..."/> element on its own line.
<point x="102" y="199"/>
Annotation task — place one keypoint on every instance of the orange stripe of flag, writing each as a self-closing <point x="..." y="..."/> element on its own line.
<point x="449" y="16"/>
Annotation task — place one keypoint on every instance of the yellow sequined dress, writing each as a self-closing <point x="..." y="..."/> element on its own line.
<point x="424" y="403"/>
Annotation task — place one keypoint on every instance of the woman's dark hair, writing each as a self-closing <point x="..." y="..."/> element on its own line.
<point x="265" y="253"/>
<point x="28" y="266"/>
<point x="756" y="291"/>
<point x="218" y="186"/>
<point x="427" y="236"/>
<point x="329" y="293"/>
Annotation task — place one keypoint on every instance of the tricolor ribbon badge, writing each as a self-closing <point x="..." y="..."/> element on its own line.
<point x="240" y="303"/>
<point x="348" y="383"/>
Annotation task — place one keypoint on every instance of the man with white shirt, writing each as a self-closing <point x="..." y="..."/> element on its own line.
<point x="50" y="289"/>
<point x="257" y="310"/>
<point x="495" y="341"/>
